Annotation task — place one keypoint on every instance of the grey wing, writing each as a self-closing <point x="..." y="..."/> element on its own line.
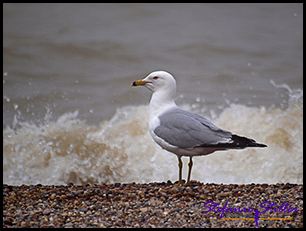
<point x="187" y="130"/>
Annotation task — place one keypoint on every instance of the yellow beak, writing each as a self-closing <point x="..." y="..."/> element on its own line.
<point x="138" y="83"/>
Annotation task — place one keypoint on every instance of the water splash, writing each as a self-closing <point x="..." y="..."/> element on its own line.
<point x="122" y="150"/>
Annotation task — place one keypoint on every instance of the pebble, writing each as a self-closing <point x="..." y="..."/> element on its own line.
<point x="153" y="205"/>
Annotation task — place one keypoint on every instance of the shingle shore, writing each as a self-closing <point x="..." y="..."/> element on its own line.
<point x="148" y="205"/>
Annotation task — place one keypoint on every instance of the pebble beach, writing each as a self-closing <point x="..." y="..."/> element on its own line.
<point x="156" y="205"/>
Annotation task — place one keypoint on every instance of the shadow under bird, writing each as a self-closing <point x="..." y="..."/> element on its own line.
<point x="181" y="132"/>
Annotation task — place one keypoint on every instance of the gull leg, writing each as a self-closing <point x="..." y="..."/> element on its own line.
<point x="189" y="171"/>
<point x="180" y="164"/>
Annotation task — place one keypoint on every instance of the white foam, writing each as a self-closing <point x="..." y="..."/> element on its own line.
<point x="122" y="150"/>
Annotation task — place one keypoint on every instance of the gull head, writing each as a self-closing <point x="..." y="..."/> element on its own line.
<point x="157" y="81"/>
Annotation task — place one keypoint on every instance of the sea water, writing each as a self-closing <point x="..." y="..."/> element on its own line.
<point x="70" y="115"/>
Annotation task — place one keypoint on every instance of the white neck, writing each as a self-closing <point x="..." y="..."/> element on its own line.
<point x="161" y="101"/>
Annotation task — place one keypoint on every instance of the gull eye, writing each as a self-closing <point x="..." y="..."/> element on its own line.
<point x="155" y="77"/>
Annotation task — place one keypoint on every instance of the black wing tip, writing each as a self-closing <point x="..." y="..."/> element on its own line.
<point x="238" y="142"/>
<point x="260" y="145"/>
<point x="241" y="141"/>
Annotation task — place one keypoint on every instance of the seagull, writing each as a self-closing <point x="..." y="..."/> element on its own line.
<point x="181" y="132"/>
